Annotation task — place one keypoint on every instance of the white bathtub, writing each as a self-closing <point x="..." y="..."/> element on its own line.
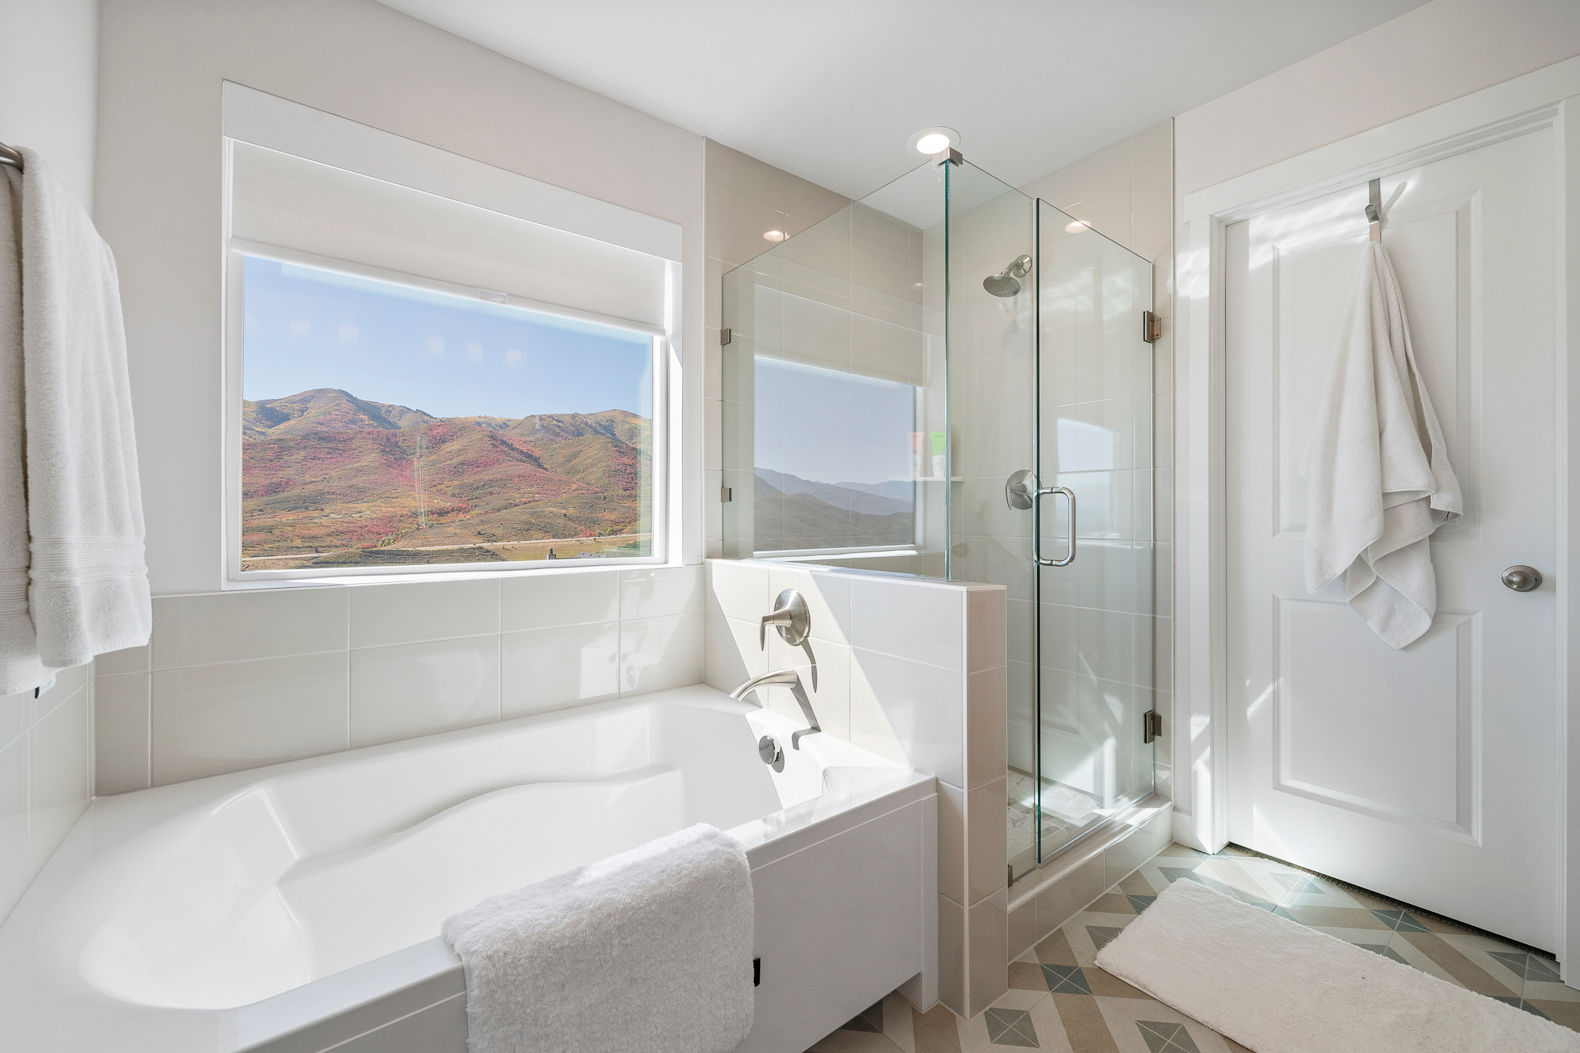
<point x="297" y="907"/>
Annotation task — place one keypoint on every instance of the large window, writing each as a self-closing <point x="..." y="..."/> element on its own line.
<point x="432" y="363"/>
<point x="384" y="424"/>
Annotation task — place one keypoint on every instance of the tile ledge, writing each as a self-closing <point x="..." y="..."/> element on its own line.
<point x="1087" y="850"/>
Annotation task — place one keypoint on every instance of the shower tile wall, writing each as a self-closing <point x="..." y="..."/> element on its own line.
<point x="1124" y="191"/>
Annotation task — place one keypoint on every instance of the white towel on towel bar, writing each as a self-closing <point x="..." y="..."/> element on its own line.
<point x="649" y="950"/>
<point x="1378" y="478"/>
<point x="67" y="403"/>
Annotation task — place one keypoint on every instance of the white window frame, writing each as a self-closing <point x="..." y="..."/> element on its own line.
<point x="258" y="118"/>
<point x="236" y="252"/>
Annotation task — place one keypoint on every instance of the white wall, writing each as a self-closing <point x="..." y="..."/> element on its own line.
<point x="48" y="98"/>
<point x="49" y="55"/>
<point x="160" y="199"/>
<point x="1438" y="52"/>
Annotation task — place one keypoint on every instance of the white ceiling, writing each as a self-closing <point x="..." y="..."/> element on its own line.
<point x="832" y="89"/>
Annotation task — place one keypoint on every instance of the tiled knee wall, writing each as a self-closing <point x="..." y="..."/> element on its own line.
<point x="914" y="670"/>
<point x="45" y="775"/>
<point x="240" y="679"/>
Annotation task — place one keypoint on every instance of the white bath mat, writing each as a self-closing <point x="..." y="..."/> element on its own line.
<point x="1278" y="987"/>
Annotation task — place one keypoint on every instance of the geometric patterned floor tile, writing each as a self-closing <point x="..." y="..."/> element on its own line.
<point x="1526" y="966"/>
<point x="1101" y="934"/>
<point x="1011" y="1027"/>
<point x="1399" y="921"/>
<point x="1166" y="1038"/>
<point x="1060" y="1001"/>
<point x="1066" y="979"/>
<point x="1384" y="950"/>
<point x="1520" y="1003"/>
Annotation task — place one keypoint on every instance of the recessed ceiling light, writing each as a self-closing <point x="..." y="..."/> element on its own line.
<point x="932" y="141"/>
<point x="773" y="235"/>
<point x="1075" y="226"/>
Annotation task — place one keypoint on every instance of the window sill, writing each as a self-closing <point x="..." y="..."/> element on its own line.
<point x="249" y="585"/>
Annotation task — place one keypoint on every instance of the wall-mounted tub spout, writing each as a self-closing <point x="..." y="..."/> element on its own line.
<point x="783" y="676"/>
<point x="792" y="679"/>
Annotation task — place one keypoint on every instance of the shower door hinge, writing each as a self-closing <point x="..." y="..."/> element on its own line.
<point x="1151" y="725"/>
<point x="1151" y="327"/>
<point x="725" y="335"/>
<point x="726" y="494"/>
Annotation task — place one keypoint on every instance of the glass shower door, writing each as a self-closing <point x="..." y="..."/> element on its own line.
<point x="1096" y="546"/>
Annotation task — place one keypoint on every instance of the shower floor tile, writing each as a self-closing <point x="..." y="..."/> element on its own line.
<point x="1059" y="1000"/>
<point x="1065" y="810"/>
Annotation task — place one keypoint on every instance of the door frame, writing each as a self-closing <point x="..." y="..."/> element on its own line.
<point x="1549" y="97"/>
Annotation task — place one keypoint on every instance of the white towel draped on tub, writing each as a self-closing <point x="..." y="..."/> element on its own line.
<point x="73" y="582"/>
<point x="649" y="950"/>
<point x="1378" y="478"/>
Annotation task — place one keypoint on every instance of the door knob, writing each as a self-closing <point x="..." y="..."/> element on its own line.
<point x="1521" y="578"/>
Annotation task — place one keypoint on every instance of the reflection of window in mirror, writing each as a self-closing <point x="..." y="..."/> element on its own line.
<point x="838" y="458"/>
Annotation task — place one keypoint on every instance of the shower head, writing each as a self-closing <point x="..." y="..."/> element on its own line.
<point x="1007" y="281"/>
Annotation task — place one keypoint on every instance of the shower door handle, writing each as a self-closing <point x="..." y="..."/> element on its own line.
<point x="1036" y="527"/>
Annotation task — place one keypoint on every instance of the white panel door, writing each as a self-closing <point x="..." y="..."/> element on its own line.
<point x="1428" y="774"/>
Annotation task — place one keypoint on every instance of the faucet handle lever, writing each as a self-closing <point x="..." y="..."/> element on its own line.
<point x="790" y="616"/>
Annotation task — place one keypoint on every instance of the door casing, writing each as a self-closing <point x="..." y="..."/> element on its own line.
<point x="1548" y="97"/>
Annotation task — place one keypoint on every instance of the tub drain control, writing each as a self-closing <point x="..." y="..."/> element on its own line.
<point x="771" y="752"/>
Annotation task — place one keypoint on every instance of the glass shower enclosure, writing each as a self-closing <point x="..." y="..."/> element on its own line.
<point x="951" y="378"/>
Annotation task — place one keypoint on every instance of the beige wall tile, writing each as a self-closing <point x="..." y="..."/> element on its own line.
<point x="543" y="601"/>
<point x="382" y="615"/>
<point x="58" y="776"/>
<point x="660" y="591"/>
<point x="550" y="668"/>
<point x="660" y="653"/>
<point x="15" y="873"/>
<point x="219" y="718"/>
<point x="419" y="688"/>
<point x="242" y="626"/>
<point x="121" y="728"/>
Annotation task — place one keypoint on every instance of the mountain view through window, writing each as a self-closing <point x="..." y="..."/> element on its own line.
<point x="386" y="425"/>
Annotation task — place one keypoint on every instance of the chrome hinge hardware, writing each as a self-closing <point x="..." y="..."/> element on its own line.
<point x="725" y="336"/>
<point x="726" y="494"/>
<point x="1151" y="327"/>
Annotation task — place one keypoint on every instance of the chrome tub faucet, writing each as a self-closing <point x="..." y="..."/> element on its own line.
<point x="792" y="679"/>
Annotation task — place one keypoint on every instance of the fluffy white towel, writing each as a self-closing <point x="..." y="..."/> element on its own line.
<point x="87" y="583"/>
<point x="20" y="668"/>
<point x="647" y="950"/>
<point x="1379" y="481"/>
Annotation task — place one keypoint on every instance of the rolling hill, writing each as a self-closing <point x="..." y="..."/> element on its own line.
<point x="332" y="479"/>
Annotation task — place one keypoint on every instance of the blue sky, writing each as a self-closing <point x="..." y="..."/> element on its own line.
<point x="832" y="427"/>
<point x="445" y="355"/>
